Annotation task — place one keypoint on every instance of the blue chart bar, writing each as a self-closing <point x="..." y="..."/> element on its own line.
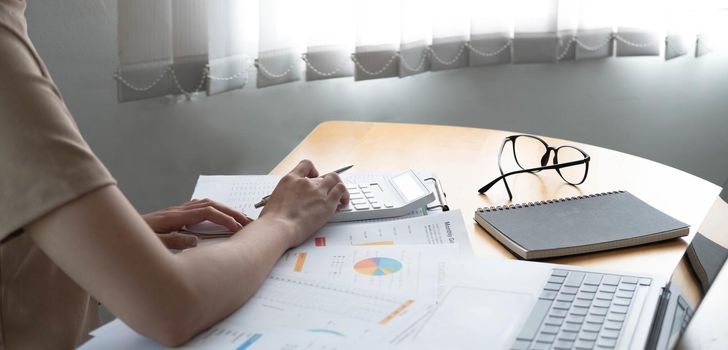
<point x="250" y="341"/>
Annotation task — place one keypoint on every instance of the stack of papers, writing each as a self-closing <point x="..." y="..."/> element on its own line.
<point x="351" y="285"/>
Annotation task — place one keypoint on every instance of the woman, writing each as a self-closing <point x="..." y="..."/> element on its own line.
<point x="67" y="231"/>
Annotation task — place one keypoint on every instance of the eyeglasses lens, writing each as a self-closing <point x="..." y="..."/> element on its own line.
<point x="574" y="174"/>
<point x="529" y="152"/>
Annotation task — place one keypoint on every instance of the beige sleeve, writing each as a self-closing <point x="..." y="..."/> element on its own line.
<point x="44" y="161"/>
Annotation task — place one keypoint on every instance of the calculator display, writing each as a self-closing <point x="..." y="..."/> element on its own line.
<point x="408" y="186"/>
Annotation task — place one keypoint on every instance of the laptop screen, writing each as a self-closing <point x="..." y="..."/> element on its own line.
<point x="703" y="260"/>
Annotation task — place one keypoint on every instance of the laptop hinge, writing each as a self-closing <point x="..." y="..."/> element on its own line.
<point x="659" y="318"/>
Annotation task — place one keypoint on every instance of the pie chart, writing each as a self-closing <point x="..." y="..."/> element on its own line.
<point x="378" y="266"/>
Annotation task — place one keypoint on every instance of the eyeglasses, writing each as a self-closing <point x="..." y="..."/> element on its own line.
<point x="532" y="155"/>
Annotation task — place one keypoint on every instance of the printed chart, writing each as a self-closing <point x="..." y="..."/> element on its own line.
<point x="415" y="270"/>
<point x="329" y="310"/>
<point x="225" y="335"/>
<point x="436" y="229"/>
<point x="377" y="266"/>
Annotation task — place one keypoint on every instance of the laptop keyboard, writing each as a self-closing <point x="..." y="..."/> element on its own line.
<point x="579" y="310"/>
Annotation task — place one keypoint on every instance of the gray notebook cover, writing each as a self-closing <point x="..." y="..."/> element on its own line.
<point x="578" y="225"/>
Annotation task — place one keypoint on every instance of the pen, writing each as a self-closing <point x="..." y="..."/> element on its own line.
<point x="264" y="200"/>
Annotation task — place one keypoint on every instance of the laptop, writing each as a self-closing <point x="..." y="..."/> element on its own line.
<point x="510" y="304"/>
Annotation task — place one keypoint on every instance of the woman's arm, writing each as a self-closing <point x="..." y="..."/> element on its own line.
<point x="101" y="242"/>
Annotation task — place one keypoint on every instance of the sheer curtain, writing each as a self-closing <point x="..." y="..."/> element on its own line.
<point x="191" y="46"/>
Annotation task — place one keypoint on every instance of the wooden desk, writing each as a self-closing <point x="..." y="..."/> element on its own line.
<point x="466" y="158"/>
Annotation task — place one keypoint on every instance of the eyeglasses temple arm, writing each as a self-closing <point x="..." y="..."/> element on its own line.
<point x="554" y="166"/>
<point x="495" y="181"/>
<point x="490" y="184"/>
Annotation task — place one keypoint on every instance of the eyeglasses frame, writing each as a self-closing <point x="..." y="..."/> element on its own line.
<point x="544" y="160"/>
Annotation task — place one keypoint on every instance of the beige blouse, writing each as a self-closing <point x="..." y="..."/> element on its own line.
<point x="44" y="163"/>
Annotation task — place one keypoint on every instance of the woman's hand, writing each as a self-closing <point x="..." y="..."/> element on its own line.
<point x="165" y="222"/>
<point x="304" y="202"/>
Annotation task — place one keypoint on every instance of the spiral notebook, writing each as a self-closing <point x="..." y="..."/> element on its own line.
<point x="577" y="225"/>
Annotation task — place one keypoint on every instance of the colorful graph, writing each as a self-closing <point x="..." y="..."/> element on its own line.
<point x="378" y="266"/>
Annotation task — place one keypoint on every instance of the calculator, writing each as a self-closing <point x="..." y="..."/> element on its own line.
<point x="384" y="198"/>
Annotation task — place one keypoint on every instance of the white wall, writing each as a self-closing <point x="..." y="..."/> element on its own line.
<point x="673" y="112"/>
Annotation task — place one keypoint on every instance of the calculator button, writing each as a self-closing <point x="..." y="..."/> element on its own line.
<point x="351" y="187"/>
<point x="359" y="202"/>
<point x="388" y="205"/>
<point x="345" y="208"/>
<point x="361" y="206"/>
<point x="369" y="196"/>
<point x="376" y="205"/>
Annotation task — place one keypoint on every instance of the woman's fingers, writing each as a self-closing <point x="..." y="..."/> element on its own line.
<point x="194" y="212"/>
<point x="197" y="215"/>
<point x="238" y="216"/>
<point x="339" y="194"/>
<point x="194" y="202"/>
<point x="329" y="180"/>
<point x="305" y="168"/>
<point x="178" y="240"/>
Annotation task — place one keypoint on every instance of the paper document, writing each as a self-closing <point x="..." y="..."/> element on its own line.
<point x="441" y="228"/>
<point x="415" y="271"/>
<point x="350" y="312"/>
<point x="116" y="335"/>
<point x="354" y="285"/>
<point x="229" y="335"/>
<point x="239" y="192"/>
<point x="314" y="315"/>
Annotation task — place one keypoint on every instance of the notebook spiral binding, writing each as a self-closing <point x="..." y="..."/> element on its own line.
<point x="532" y="204"/>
